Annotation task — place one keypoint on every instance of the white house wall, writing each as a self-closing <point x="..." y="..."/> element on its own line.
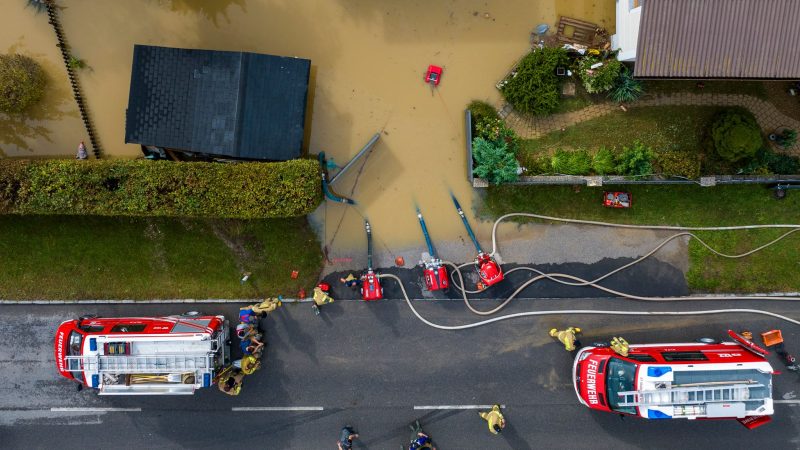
<point x="627" y="30"/>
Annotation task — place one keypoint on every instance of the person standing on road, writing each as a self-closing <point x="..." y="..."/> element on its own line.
<point x="495" y="419"/>
<point x="346" y="438"/>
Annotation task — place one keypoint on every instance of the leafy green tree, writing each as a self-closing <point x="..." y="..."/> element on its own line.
<point x="635" y="160"/>
<point x="534" y="86"/>
<point x="736" y="135"/>
<point x="493" y="161"/>
<point x="599" y="79"/>
<point x="22" y="83"/>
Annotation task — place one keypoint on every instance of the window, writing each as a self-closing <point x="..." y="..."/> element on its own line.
<point x="620" y="379"/>
<point x="684" y="356"/>
<point x="128" y="328"/>
<point x="641" y="357"/>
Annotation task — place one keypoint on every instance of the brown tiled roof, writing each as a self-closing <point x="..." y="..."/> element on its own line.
<point x="719" y="39"/>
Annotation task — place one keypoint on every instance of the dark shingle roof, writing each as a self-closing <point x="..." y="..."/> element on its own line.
<point x="235" y="104"/>
<point x="719" y="39"/>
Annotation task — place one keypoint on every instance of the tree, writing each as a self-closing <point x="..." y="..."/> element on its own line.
<point x="494" y="162"/>
<point x="736" y="135"/>
<point x="22" y="83"/>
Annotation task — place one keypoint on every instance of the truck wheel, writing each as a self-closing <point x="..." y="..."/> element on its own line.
<point x="707" y="340"/>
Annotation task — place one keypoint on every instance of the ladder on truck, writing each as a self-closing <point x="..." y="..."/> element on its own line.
<point x="143" y="363"/>
<point x="694" y="395"/>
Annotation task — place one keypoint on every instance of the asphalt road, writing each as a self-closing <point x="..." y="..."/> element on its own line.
<point x="370" y="365"/>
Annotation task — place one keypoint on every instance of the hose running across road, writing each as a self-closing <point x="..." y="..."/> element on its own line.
<point x="572" y="280"/>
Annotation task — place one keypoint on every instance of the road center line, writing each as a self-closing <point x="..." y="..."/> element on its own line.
<point x="456" y="407"/>
<point x="95" y="409"/>
<point x="278" y="408"/>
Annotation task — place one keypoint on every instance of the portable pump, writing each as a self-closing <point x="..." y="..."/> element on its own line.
<point x="489" y="271"/>
<point x="370" y="284"/>
<point x="434" y="272"/>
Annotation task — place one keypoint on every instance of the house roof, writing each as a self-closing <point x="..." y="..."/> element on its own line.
<point x="719" y="39"/>
<point x="234" y="104"/>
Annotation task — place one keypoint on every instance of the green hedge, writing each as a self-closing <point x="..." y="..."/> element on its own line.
<point x="160" y="188"/>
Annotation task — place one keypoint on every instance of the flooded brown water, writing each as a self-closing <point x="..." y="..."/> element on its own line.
<point x="368" y="59"/>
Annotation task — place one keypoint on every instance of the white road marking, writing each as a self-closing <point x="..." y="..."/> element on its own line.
<point x="457" y="407"/>
<point x="795" y="402"/>
<point x="278" y="408"/>
<point x="95" y="409"/>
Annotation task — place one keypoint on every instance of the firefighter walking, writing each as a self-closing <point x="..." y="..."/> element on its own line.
<point x="495" y="419"/>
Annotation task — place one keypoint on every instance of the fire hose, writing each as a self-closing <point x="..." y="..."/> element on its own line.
<point x="577" y="281"/>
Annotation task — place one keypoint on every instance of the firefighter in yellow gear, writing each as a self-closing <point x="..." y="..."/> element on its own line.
<point x="250" y="363"/>
<point x="321" y="297"/>
<point x="566" y="337"/>
<point x="620" y="345"/>
<point x="267" y="306"/>
<point x="495" y="419"/>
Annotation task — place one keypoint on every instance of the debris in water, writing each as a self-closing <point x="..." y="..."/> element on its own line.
<point x="295" y="274"/>
<point x="400" y="261"/>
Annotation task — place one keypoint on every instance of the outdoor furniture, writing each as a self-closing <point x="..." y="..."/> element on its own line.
<point x="583" y="32"/>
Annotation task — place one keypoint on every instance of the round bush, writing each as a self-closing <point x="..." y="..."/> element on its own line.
<point x="22" y="83"/>
<point x="736" y="135"/>
<point x="493" y="161"/>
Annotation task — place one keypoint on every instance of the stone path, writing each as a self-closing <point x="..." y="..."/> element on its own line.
<point x="532" y="127"/>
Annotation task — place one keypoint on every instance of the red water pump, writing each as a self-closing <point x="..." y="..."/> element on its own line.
<point x="488" y="269"/>
<point x="370" y="283"/>
<point x="433" y="271"/>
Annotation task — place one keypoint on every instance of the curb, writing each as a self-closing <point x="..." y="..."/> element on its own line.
<point x="308" y="300"/>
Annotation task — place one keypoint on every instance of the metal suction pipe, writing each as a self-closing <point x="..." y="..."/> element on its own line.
<point x="466" y="224"/>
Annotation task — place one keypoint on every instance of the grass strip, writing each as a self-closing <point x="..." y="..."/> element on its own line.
<point x="75" y="257"/>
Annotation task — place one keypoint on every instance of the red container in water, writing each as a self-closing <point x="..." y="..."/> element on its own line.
<point x="295" y="274"/>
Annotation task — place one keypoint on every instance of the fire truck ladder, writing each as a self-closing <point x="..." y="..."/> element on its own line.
<point x="144" y="363"/>
<point x="695" y="395"/>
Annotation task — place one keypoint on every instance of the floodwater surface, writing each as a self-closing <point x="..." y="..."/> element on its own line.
<point x="368" y="60"/>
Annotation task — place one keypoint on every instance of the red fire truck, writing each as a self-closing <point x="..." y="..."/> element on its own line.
<point x="666" y="381"/>
<point x="143" y="355"/>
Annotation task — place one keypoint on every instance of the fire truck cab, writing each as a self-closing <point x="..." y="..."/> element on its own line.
<point x="669" y="381"/>
<point x="143" y="355"/>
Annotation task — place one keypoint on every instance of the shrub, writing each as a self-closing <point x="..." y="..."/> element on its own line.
<point x="766" y="161"/>
<point x="482" y="111"/>
<point x="493" y="161"/>
<point x="680" y="163"/>
<point x="161" y="188"/>
<point x="635" y="160"/>
<point x="576" y="162"/>
<point x="600" y="79"/>
<point x="495" y="130"/>
<point x="603" y="162"/>
<point x="538" y="164"/>
<point x="626" y="88"/>
<point x="22" y="83"/>
<point x="736" y="135"/>
<point x="534" y="87"/>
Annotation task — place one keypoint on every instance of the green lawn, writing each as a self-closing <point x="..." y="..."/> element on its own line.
<point x="773" y="269"/>
<point x="66" y="257"/>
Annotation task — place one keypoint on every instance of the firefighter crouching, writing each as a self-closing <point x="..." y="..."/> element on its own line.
<point x="567" y="337"/>
<point x="321" y="296"/>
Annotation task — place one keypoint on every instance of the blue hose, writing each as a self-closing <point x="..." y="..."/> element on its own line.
<point x="425" y="233"/>
<point x="466" y="224"/>
<point x="325" y="189"/>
